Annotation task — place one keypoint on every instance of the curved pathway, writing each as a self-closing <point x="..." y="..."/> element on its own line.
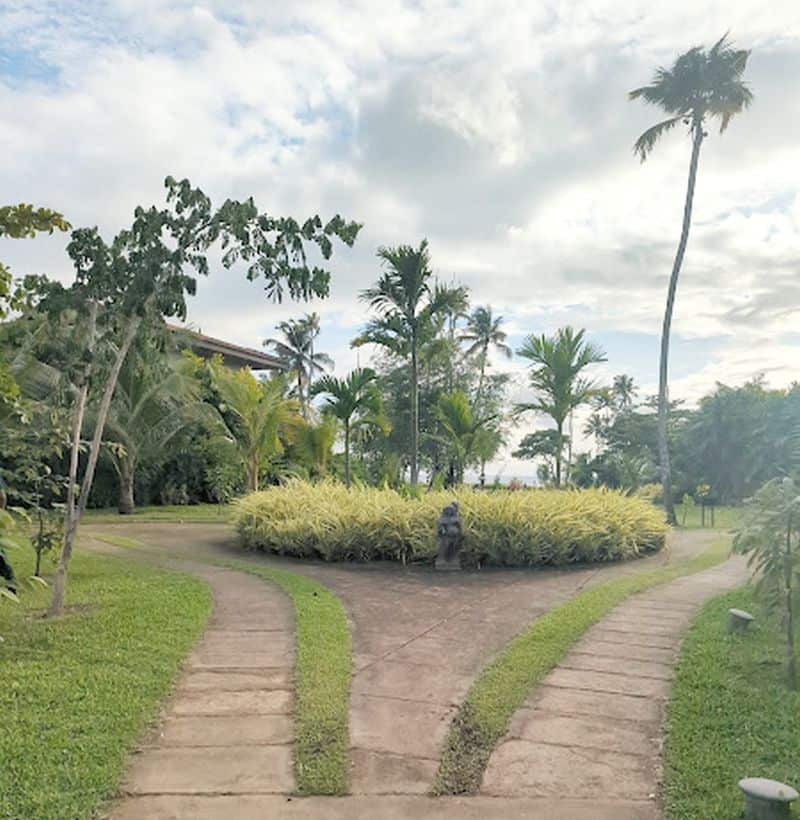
<point x="419" y="638"/>
<point x="227" y="729"/>
<point x="592" y="730"/>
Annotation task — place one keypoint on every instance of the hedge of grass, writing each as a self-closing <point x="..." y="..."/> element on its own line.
<point x="522" y="528"/>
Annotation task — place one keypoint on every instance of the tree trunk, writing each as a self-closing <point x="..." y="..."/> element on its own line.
<point x="252" y="474"/>
<point x="414" y="414"/>
<point x="347" y="453"/>
<point x="126" y="504"/>
<point x="77" y="419"/>
<point x="663" y="390"/>
<point x="559" y="452"/>
<point x="60" y="583"/>
<point x="479" y="395"/>
<point x="791" y="660"/>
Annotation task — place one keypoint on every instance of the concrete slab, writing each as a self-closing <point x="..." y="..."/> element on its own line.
<point x="230" y="680"/>
<point x="230" y="730"/>
<point x="606" y="704"/>
<point x="204" y="770"/>
<point x="529" y="769"/>
<point x="384" y="773"/>
<point x="583" y="732"/>
<point x="411" y="681"/>
<point x="626" y="651"/>
<point x="606" y="682"/>
<point x="384" y="807"/>
<point x="247" y="702"/>
<point x="602" y="663"/>
<point x="373" y="720"/>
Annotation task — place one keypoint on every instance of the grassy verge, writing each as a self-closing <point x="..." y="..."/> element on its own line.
<point x="730" y="715"/>
<point x="725" y="518"/>
<point x="322" y="674"/>
<point x="178" y="514"/>
<point x="482" y="720"/>
<point x="76" y="693"/>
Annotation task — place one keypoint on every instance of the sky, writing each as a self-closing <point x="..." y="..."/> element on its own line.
<point x="499" y="130"/>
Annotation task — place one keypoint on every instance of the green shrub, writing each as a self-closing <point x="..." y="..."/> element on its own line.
<point x="525" y="528"/>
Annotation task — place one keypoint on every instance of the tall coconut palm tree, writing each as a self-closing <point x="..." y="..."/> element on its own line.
<point x="559" y="387"/>
<point x="355" y="401"/>
<point x="296" y="352"/>
<point x="407" y="308"/>
<point x="701" y="85"/>
<point x="482" y="332"/>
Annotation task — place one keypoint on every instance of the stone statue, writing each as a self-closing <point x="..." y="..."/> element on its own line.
<point x="450" y="535"/>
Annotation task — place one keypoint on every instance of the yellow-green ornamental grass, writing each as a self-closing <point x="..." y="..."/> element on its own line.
<point x="502" y="528"/>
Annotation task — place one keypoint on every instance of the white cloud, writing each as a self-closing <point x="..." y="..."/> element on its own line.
<point x="500" y="131"/>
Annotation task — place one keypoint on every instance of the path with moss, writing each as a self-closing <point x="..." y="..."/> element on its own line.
<point x="227" y="729"/>
<point x="593" y="728"/>
<point x="420" y="639"/>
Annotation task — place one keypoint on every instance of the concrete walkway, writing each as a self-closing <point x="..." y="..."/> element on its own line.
<point x="419" y="638"/>
<point x="228" y="727"/>
<point x="593" y="729"/>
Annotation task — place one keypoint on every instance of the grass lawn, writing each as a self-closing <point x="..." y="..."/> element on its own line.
<point x="482" y="720"/>
<point x="322" y="674"/>
<point x="725" y="518"/>
<point x="190" y="514"/>
<point x="730" y="715"/>
<point x="76" y="693"/>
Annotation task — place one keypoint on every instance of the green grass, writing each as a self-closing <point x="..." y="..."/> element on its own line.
<point x="730" y="715"/>
<point x="322" y="674"/>
<point x="76" y="693"/>
<point x="725" y="518"/>
<point x="322" y="681"/>
<point x="483" y="718"/>
<point x="188" y="514"/>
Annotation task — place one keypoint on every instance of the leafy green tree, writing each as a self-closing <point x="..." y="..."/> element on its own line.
<point x="296" y="351"/>
<point x="541" y="444"/>
<point x="556" y="377"/>
<point x="701" y="85"/>
<point x="311" y="446"/>
<point x="263" y="416"/>
<point x="156" y="399"/>
<point x="469" y="438"/>
<point x="19" y="222"/>
<point x="482" y="333"/>
<point x="770" y="534"/>
<point x="407" y="308"/>
<point x="142" y="274"/>
<point x="355" y="402"/>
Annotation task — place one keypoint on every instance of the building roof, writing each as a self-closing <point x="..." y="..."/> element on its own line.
<point x="232" y="355"/>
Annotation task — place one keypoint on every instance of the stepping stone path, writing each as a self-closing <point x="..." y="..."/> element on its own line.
<point x="592" y="730"/>
<point x="227" y="729"/>
<point x="585" y="746"/>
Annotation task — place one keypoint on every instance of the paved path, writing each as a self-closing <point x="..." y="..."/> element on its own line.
<point x="228" y="727"/>
<point x="419" y="639"/>
<point x="592" y="731"/>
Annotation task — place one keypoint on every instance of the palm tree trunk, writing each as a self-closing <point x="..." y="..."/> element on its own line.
<point x="791" y="660"/>
<point x="663" y="391"/>
<point x="559" y="452"/>
<point x="414" y="414"/>
<point x="126" y="504"/>
<point x="347" y="453"/>
<point x="60" y="583"/>
<point x="479" y="395"/>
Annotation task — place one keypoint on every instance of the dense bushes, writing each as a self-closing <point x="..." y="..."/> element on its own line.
<point x="524" y="528"/>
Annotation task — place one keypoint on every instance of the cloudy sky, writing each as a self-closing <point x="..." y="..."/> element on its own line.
<point x="499" y="130"/>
